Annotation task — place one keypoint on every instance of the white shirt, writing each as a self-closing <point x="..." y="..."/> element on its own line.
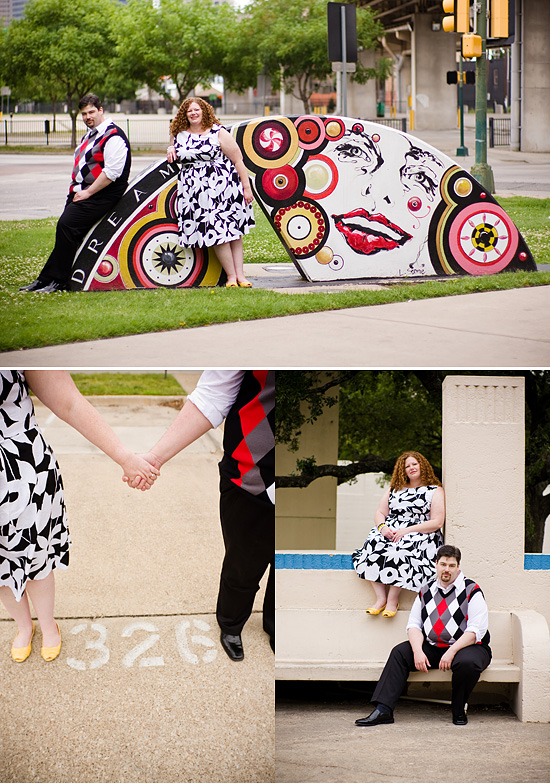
<point x="478" y="615"/>
<point x="216" y="392"/>
<point x="115" y="152"/>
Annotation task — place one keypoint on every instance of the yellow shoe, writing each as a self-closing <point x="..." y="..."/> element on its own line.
<point x="244" y="285"/>
<point x="20" y="654"/>
<point x="375" y="611"/>
<point x="231" y="285"/>
<point x="390" y="614"/>
<point x="51" y="653"/>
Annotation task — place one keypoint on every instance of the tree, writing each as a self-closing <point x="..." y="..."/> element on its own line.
<point x="383" y="412"/>
<point x="290" y="38"/>
<point x="62" y="48"/>
<point x="184" y="42"/>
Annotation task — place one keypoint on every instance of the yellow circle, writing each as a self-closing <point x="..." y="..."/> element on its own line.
<point x="333" y="129"/>
<point x="463" y="187"/>
<point x="266" y="163"/>
<point x="324" y="256"/>
<point x="317" y="177"/>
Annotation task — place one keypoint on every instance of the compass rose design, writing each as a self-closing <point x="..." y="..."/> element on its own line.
<point x="164" y="261"/>
<point x="169" y="259"/>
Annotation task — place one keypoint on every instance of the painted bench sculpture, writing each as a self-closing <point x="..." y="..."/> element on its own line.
<point x="348" y="199"/>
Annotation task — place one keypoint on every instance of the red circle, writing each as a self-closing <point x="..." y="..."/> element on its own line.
<point x="280" y="183"/>
<point x="311" y="132"/>
<point x="414" y="204"/>
<point x="459" y="230"/>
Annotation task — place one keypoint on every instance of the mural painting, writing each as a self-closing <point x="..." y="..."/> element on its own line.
<point x="136" y="245"/>
<point x="349" y="199"/>
<point x="354" y="199"/>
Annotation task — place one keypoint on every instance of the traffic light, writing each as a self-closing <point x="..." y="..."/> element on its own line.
<point x="499" y="18"/>
<point x="459" y="22"/>
<point x="472" y="46"/>
<point x="452" y="77"/>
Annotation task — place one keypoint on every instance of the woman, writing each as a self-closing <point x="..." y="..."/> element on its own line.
<point x="214" y="193"/>
<point x="401" y="548"/>
<point x="34" y="538"/>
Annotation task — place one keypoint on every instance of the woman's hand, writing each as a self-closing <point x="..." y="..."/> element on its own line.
<point x="397" y="535"/>
<point x="171" y="154"/>
<point x="248" y="196"/>
<point x="140" y="472"/>
<point x="387" y="532"/>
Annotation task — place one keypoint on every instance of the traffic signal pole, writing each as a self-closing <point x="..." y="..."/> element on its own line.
<point x="481" y="170"/>
<point x="462" y="151"/>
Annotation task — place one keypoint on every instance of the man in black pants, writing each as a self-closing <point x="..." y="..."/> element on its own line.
<point x="447" y="629"/>
<point x="100" y="176"/>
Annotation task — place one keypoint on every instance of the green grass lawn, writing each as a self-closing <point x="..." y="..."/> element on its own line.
<point x="33" y="320"/>
<point x="145" y="383"/>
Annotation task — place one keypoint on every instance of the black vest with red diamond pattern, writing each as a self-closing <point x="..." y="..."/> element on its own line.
<point x="249" y="436"/>
<point x="89" y="161"/>
<point x="445" y="615"/>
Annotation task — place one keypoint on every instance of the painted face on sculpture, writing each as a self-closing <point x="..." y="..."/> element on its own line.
<point x="383" y="203"/>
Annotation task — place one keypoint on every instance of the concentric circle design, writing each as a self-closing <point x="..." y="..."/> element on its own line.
<point x="107" y="270"/>
<point x="334" y="129"/>
<point x="270" y="144"/>
<point x="311" y="132"/>
<point x="157" y="260"/>
<point x="280" y="184"/>
<point x="483" y="239"/>
<point x="462" y="187"/>
<point x="321" y="176"/>
<point x="303" y="226"/>
<point x="336" y="263"/>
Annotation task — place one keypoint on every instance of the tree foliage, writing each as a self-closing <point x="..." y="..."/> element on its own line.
<point x="290" y="39"/>
<point x="186" y="42"/>
<point x="62" y="49"/>
<point x="383" y="413"/>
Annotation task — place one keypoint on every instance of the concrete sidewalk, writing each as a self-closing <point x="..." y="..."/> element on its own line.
<point x="142" y="689"/>
<point x="317" y="740"/>
<point x="491" y="329"/>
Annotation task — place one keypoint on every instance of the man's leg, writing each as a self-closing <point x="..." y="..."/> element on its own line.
<point x="248" y="527"/>
<point x="467" y="666"/>
<point x="394" y="676"/>
<point x="73" y="225"/>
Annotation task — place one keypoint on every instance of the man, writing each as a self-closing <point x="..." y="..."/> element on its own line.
<point x="246" y="400"/>
<point x="100" y="176"/>
<point x="447" y="628"/>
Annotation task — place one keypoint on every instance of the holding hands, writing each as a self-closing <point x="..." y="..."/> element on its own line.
<point x="141" y="470"/>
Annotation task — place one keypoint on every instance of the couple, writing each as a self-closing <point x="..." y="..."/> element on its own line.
<point x="34" y="538"/>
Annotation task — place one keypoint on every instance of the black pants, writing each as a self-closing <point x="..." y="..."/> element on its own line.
<point x="466" y="669"/>
<point x="248" y="527"/>
<point x="77" y="219"/>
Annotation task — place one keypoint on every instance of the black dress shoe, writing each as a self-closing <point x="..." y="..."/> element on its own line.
<point x="460" y="720"/>
<point x="233" y="646"/>
<point x="34" y="286"/>
<point x="375" y="718"/>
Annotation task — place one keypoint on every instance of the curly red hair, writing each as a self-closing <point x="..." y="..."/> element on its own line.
<point x="399" y="478"/>
<point x="180" y="121"/>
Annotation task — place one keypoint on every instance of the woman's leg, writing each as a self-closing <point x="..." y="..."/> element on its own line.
<point x="21" y="613"/>
<point x="225" y="257"/>
<point x="393" y="598"/>
<point x="380" y="592"/>
<point x="238" y="259"/>
<point x="42" y="594"/>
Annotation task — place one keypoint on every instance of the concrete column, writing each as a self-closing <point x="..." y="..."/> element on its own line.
<point x="362" y="97"/>
<point x="306" y="518"/>
<point x="435" y="55"/>
<point x="536" y="77"/>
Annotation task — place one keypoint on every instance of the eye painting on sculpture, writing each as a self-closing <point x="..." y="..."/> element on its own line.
<point x="354" y="199"/>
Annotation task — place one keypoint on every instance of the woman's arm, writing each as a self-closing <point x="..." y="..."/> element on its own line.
<point x="231" y="149"/>
<point x="381" y="513"/>
<point x="56" y="389"/>
<point x="171" y="155"/>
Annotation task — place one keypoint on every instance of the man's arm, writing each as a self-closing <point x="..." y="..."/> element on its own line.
<point x="115" y="152"/>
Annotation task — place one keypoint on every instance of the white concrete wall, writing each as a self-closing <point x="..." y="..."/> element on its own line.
<point x="535" y="136"/>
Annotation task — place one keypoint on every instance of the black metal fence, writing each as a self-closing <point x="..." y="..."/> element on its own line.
<point x="499" y="131"/>
<point x="399" y="123"/>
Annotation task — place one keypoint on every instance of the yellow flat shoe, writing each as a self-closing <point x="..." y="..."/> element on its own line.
<point x="231" y="285"/>
<point x="375" y="611"/>
<point x="20" y="654"/>
<point x="245" y="285"/>
<point x="51" y="653"/>
<point x="390" y="614"/>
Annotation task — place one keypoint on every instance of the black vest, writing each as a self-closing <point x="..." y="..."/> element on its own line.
<point x="445" y="615"/>
<point x="89" y="162"/>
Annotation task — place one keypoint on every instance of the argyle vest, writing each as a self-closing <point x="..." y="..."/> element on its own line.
<point x="445" y="616"/>
<point x="89" y="161"/>
<point x="249" y="436"/>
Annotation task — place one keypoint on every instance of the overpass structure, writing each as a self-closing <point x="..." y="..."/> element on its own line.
<point x="423" y="54"/>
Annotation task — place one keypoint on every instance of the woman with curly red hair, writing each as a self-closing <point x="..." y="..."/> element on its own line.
<point x="214" y="193"/>
<point x="400" y="550"/>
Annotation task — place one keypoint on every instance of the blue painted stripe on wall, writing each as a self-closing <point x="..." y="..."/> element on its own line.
<point x="340" y="562"/>
<point x="537" y="562"/>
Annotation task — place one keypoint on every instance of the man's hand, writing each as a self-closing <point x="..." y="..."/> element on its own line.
<point x="81" y="195"/>
<point x="421" y="661"/>
<point x="446" y="661"/>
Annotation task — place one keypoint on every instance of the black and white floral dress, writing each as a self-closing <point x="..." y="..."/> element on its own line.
<point x="34" y="538"/>
<point x="211" y="205"/>
<point x="410" y="562"/>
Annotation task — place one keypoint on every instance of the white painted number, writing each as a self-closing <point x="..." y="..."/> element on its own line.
<point x="130" y="658"/>
<point x="95" y="644"/>
<point x="183" y="643"/>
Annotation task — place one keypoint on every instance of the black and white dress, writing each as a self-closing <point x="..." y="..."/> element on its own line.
<point x="410" y="562"/>
<point x="211" y="206"/>
<point x="34" y="538"/>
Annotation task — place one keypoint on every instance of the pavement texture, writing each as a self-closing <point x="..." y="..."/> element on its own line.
<point x="317" y="740"/>
<point x="142" y="689"/>
<point x="493" y="329"/>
